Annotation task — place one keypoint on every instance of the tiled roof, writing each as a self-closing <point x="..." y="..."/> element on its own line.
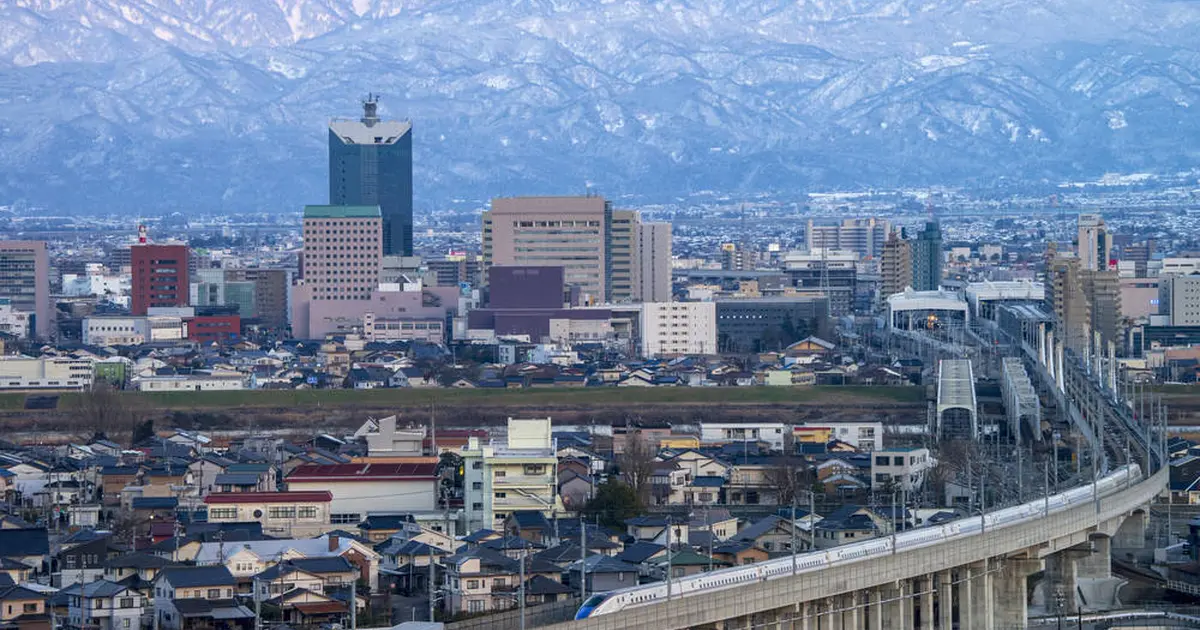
<point x="363" y="472"/>
<point x="314" y="496"/>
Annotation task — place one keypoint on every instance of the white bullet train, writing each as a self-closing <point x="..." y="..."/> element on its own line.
<point x="635" y="596"/>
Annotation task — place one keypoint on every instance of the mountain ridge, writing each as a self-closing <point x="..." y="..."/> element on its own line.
<point x="220" y="105"/>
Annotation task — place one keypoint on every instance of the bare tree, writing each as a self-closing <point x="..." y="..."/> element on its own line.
<point x="104" y="411"/>
<point x="636" y="464"/>
<point x="791" y="477"/>
<point x="954" y="463"/>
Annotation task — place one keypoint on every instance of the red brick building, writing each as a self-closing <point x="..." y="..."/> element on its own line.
<point x="219" y="329"/>
<point x="160" y="276"/>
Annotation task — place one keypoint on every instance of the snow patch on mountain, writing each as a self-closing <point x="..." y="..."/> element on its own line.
<point x="109" y="102"/>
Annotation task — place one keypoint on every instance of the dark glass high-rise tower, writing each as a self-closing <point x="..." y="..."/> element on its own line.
<point x="927" y="258"/>
<point x="370" y="164"/>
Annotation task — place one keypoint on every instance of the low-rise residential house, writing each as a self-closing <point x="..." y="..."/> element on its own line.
<point x="844" y="486"/>
<point x="479" y="580"/>
<point x="246" y="559"/>
<point x="772" y="534"/>
<point x="303" y="608"/>
<point x="752" y="483"/>
<point x="284" y="514"/>
<point x="198" y="598"/>
<point x="719" y="521"/>
<point x="603" y="574"/>
<point x="105" y="605"/>
<point x="530" y="525"/>
<point x="84" y="562"/>
<point x="900" y="469"/>
<point x="704" y="490"/>
<point x="114" y="479"/>
<point x="641" y="554"/>
<point x="380" y="527"/>
<point x="28" y="546"/>
<point x="685" y="562"/>
<point x="698" y="464"/>
<point x="319" y="575"/>
<point x="848" y="524"/>
<point x="736" y="553"/>
<point x="664" y="530"/>
<point x="667" y="483"/>
<point x="23" y="608"/>
<point x="136" y="570"/>
<point x="406" y="562"/>
<point x="575" y="489"/>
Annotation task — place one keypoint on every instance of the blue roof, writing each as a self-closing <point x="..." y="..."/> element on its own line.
<point x="708" y="482"/>
<point x="155" y="503"/>
<point x="385" y="521"/>
<point x="530" y="519"/>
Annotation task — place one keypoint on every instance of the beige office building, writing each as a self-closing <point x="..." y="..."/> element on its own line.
<point x="655" y="276"/>
<point x="896" y="269"/>
<point x="1084" y="301"/>
<point x="865" y="236"/>
<point x="1095" y="244"/>
<point x="600" y="249"/>
<point x="343" y="247"/>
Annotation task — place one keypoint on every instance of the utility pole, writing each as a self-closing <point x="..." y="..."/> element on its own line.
<point x="708" y="524"/>
<point x="521" y="588"/>
<point x="668" y="558"/>
<point x="792" y="528"/>
<point x="432" y="600"/>
<point x="582" y="560"/>
<point x="257" y="606"/>
<point x="354" y="602"/>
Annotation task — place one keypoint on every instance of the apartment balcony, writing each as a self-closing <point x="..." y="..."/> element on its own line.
<point x="524" y="502"/>
<point x="523" y="481"/>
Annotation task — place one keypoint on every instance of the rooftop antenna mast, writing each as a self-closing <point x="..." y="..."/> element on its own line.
<point x="371" y="110"/>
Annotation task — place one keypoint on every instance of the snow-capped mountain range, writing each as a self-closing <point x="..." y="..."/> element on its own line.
<point x="222" y="104"/>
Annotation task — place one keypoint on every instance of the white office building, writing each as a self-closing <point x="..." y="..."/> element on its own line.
<point x="678" y="328"/>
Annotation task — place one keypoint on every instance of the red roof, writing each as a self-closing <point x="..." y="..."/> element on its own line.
<point x="315" y="496"/>
<point x="364" y="472"/>
<point x="321" y="608"/>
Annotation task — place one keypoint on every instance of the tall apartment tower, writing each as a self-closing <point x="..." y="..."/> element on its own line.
<point x="161" y="277"/>
<point x="1103" y="290"/>
<point x="370" y="164"/>
<point x="1084" y="301"/>
<point x="896" y="266"/>
<point x="25" y="282"/>
<point x="655" y="276"/>
<point x="624" y="268"/>
<point x="1066" y="299"/>
<point x="343" y="252"/>
<point x="865" y="236"/>
<point x="1095" y="243"/>
<point x="927" y="258"/>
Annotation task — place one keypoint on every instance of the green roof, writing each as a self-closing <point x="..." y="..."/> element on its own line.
<point x="688" y="557"/>
<point x="341" y="212"/>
